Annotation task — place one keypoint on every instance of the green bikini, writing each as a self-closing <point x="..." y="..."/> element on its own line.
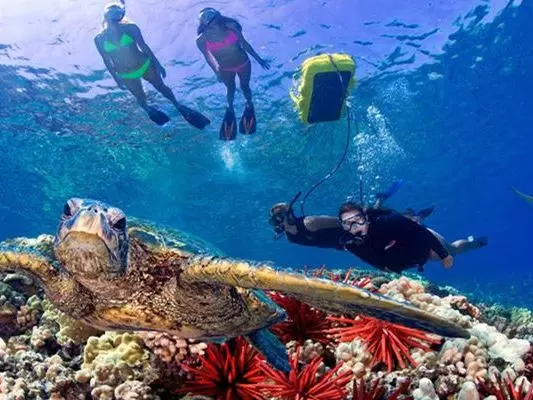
<point x="127" y="40"/>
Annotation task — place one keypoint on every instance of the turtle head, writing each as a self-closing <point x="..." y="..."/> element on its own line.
<point x="91" y="241"/>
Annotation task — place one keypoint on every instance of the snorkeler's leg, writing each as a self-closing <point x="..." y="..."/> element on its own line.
<point x="244" y="78"/>
<point x="153" y="76"/>
<point x="248" y="121"/>
<point x="193" y="117"/>
<point x="136" y="88"/>
<point x="228" y="78"/>
<point x="228" y="128"/>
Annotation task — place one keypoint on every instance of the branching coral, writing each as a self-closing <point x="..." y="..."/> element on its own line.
<point x="172" y="349"/>
<point x="386" y="341"/>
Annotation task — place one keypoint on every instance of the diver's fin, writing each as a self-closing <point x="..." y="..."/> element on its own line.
<point x="526" y="197"/>
<point x="426" y="212"/>
<point x="195" y="118"/>
<point x="248" y="123"/>
<point x="271" y="348"/>
<point x="391" y="190"/>
<point x="332" y="297"/>
<point x="158" y="116"/>
<point x="228" y="129"/>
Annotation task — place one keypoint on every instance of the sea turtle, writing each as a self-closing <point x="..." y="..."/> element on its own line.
<point x="115" y="275"/>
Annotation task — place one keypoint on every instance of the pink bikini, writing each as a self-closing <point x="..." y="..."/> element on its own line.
<point x="229" y="40"/>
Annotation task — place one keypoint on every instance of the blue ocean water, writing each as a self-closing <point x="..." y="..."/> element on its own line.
<point x="442" y="101"/>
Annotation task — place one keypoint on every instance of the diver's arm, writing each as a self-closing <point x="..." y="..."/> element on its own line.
<point x="200" y="43"/>
<point x="137" y="35"/>
<point x="318" y="222"/>
<point x="108" y="63"/>
<point x="247" y="46"/>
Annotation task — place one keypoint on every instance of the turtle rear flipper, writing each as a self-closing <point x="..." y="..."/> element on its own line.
<point x="329" y="296"/>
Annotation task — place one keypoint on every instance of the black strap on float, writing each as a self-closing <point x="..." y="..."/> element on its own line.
<point x="346" y="147"/>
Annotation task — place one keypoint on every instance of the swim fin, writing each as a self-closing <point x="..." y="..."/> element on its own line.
<point x="271" y="348"/>
<point x="426" y="212"/>
<point x="391" y="190"/>
<point x="159" y="117"/>
<point x="248" y="123"/>
<point x="195" y="118"/>
<point x="228" y="130"/>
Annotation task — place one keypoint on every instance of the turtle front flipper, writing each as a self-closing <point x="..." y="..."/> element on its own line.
<point x="32" y="263"/>
<point x="65" y="293"/>
<point x="329" y="296"/>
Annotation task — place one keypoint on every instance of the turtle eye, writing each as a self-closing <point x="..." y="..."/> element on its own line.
<point x="120" y="224"/>
<point x="67" y="211"/>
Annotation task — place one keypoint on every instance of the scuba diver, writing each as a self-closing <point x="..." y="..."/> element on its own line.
<point x="128" y="58"/>
<point x="393" y="242"/>
<point x="225" y="49"/>
<point x="323" y="230"/>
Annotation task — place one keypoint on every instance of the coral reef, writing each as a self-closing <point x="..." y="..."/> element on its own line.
<point x="45" y="354"/>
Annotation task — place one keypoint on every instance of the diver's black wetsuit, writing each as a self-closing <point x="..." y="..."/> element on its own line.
<point x="328" y="238"/>
<point x="409" y="243"/>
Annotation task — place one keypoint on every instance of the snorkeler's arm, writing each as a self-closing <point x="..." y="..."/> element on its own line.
<point x="318" y="222"/>
<point x="247" y="46"/>
<point x="107" y="61"/>
<point x="137" y="35"/>
<point x="200" y="43"/>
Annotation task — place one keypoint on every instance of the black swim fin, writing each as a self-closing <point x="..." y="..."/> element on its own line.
<point x="228" y="129"/>
<point x="426" y="212"/>
<point x="248" y="122"/>
<point x="195" y="118"/>
<point x="158" y="116"/>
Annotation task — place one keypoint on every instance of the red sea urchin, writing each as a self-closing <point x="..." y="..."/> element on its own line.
<point x="230" y="371"/>
<point x="305" y="384"/>
<point x="304" y="322"/>
<point x="377" y="391"/>
<point x="384" y="340"/>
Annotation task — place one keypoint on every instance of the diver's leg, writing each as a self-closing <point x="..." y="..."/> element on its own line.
<point x="136" y="88"/>
<point x="459" y="246"/>
<point x="449" y="248"/>
<point x="244" y="78"/>
<point x="228" y="78"/>
<point x="154" y="77"/>
<point x="465" y="245"/>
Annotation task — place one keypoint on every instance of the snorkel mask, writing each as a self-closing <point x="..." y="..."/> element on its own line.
<point x="279" y="213"/>
<point x="114" y="12"/>
<point x="208" y="15"/>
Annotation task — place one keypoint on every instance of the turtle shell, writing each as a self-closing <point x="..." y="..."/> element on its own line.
<point x="161" y="237"/>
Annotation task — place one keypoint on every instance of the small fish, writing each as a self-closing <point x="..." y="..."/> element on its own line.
<point x="526" y="197"/>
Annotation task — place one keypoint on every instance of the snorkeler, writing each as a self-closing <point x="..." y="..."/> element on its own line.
<point x="128" y="58"/>
<point x="394" y="242"/>
<point x="225" y="49"/>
